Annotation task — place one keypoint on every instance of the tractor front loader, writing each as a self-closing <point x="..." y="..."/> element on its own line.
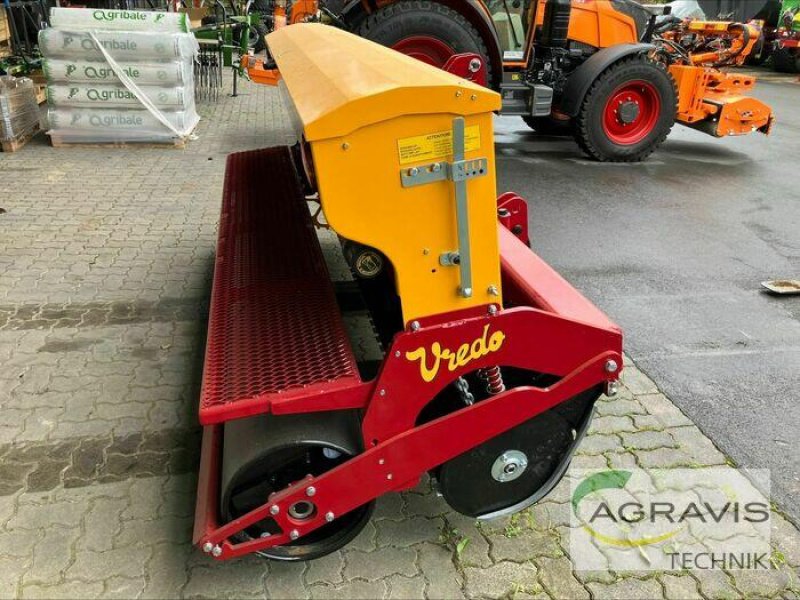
<point x="493" y="362"/>
<point x="595" y="69"/>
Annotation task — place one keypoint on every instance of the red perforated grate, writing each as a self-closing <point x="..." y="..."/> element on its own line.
<point x="274" y="324"/>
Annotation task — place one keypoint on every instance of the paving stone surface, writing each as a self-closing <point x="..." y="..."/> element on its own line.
<point x="105" y="268"/>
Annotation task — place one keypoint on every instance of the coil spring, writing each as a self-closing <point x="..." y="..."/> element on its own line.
<point x="494" y="380"/>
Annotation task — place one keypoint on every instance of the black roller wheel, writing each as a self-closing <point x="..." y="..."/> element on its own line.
<point x="515" y="469"/>
<point x="628" y="111"/>
<point x="786" y="61"/>
<point x="549" y="125"/>
<point x="264" y="455"/>
<point x="427" y="31"/>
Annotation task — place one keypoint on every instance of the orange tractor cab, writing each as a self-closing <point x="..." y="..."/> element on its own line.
<point x="612" y="73"/>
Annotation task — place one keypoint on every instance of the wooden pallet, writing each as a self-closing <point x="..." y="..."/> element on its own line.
<point x="56" y="141"/>
<point x="5" y="34"/>
<point x="40" y="89"/>
<point x="14" y="145"/>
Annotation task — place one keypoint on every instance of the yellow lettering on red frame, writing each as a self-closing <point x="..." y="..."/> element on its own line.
<point x="430" y="362"/>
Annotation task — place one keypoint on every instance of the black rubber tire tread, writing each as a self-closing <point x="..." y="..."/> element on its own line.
<point x="785" y="61"/>
<point x="261" y="44"/>
<point x="399" y="20"/>
<point x="549" y="126"/>
<point x="588" y="128"/>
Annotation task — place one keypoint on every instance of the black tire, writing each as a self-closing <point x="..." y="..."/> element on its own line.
<point x="549" y="125"/>
<point x="785" y="61"/>
<point x="257" y="39"/>
<point x="590" y="133"/>
<point x="407" y="18"/>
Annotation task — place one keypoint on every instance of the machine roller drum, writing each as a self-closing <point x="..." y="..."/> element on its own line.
<point x="513" y="470"/>
<point x="265" y="454"/>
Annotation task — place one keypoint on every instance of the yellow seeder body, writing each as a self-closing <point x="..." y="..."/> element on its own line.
<point x="385" y="180"/>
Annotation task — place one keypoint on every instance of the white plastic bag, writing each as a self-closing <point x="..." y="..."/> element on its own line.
<point x="82" y="94"/>
<point x="165" y="74"/>
<point x="118" y="123"/>
<point x="127" y="46"/>
<point x="84" y="19"/>
<point x="19" y="111"/>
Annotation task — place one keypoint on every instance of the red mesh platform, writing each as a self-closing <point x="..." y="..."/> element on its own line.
<point x="275" y="331"/>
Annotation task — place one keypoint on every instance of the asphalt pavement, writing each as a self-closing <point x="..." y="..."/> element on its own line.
<point x="675" y="249"/>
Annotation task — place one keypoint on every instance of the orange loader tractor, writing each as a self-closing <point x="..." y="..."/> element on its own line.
<point x="614" y="74"/>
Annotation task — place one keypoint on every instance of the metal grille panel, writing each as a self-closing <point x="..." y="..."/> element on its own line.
<point x="274" y="324"/>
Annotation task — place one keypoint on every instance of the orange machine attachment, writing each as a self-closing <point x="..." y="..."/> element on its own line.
<point x="716" y="103"/>
<point x="301" y="11"/>
<point x="711" y="100"/>
<point x="712" y="43"/>
<point x="259" y="71"/>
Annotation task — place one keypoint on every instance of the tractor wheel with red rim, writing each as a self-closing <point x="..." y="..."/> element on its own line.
<point x="628" y="112"/>
<point x="427" y="31"/>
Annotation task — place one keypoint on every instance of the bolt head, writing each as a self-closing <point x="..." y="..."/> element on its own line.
<point x="492" y="309"/>
<point x="475" y="65"/>
<point x="274" y="509"/>
<point x="329" y="516"/>
<point x="493" y="291"/>
<point x="414" y="325"/>
<point x="294" y="534"/>
<point x="611" y="366"/>
<point x="397" y="354"/>
<point x="216" y="551"/>
<point x="345" y="146"/>
<point x="382" y="392"/>
<point x="466" y="292"/>
<point x="208" y="547"/>
<point x="436" y="167"/>
<point x="473" y="97"/>
<point x="612" y="387"/>
<point x="310" y="491"/>
<point x="413" y="172"/>
<point x="458" y="94"/>
<point x="389" y="476"/>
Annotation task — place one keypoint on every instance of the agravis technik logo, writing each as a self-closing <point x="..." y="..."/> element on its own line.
<point x="634" y="519"/>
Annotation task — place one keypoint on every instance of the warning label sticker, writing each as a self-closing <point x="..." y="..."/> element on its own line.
<point x="435" y="146"/>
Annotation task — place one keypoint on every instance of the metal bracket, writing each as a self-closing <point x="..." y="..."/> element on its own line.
<point x="441" y="171"/>
<point x="459" y="172"/>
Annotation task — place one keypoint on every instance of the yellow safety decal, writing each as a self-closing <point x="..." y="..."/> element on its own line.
<point x="435" y="146"/>
<point x="454" y="359"/>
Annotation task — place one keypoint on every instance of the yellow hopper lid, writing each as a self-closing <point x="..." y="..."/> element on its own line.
<point x="339" y="82"/>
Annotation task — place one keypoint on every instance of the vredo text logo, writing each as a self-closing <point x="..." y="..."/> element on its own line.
<point x="431" y="359"/>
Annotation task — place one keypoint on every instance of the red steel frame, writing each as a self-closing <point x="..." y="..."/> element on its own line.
<point x="551" y="328"/>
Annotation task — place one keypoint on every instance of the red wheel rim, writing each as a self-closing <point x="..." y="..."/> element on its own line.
<point x="631" y="112"/>
<point x="428" y="49"/>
